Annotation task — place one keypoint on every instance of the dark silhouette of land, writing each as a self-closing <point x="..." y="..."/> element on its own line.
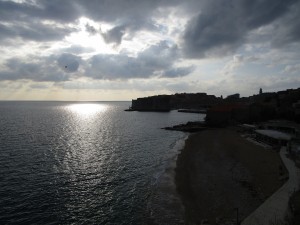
<point x="220" y="172"/>
<point x="221" y="112"/>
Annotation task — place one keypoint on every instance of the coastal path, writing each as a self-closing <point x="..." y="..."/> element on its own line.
<point x="275" y="208"/>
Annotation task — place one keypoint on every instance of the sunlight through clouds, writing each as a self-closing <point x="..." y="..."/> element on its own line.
<point x="90" y="40"/>
<point x="158" y="42"/>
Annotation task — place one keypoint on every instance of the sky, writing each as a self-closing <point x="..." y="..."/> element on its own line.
<point x="100" y="50"/>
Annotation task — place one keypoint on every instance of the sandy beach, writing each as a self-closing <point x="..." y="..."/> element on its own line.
<point x="219" y="171"/>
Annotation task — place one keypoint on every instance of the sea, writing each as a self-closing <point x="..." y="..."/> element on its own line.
<point x="88" y="163"/>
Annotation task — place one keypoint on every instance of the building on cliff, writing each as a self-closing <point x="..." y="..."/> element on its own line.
<point x="176" y="101"/>
<point x="153" y="103"/>
<point x="256" y="108"/>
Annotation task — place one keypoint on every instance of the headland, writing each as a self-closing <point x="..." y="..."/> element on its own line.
<point x="222" y="175"/>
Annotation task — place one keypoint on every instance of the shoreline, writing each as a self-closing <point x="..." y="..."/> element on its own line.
<point x="218" y="171"/>
<point x="165" y="205"/>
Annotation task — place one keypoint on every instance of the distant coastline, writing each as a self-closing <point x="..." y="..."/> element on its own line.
<point x="230" y="110"/>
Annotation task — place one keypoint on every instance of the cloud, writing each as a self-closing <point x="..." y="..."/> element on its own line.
<point x="39" y="68"/>
<point x="212" y="32"/>
<point x="118" y="41"/>
<point x="178" y="72"/>
<point x="40" y="86"/>
<point x="287" y="30"/>
<point x="27" y="19"/>
<point x="269" y="83"/>
<point x="60" y="11"/>
<point x="34" y="31"/>
<point x="292" y="69"/>
<point x="219" y="28"/>
<point x="222" y="27"/>
<point x="68" y="62"/>
<point x="233" y="64"/>
<point x="114" y="35"/>
<point x="125" y="10"/>
<point x="91" y="29"/>
<point x="75" y="49"/>
<point x="158" y="85"/>
<point x="128" y="27"/>
<point x="155" y="61"/>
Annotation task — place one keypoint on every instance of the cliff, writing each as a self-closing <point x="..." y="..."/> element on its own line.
<point x="256" y="108"/>
<point x="176" y="101"/>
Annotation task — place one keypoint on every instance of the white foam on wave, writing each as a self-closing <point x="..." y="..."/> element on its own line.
<point x="165" y="205"/>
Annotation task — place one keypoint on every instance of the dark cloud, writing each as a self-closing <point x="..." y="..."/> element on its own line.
<point x="178" y="72"/>
<point x="38" y="69"/>
<point x="68" y="62"/>
<point x="258" y="13"/>
<point x="128" y="27"/>
<point x="159" y="56"/>
<point x="157" y="60"/>
<point x="116" y="67"/>
<point x="219" y="28"/>
<point x="60" y="11"/>
<point x="70" y="10"/>
<point x="90" y="29"/>
<point x="116" y="10"/>
<point x="222" y="26"/>
<point x="212" y="31"/>
<point x="33" y="31"/>
<point x="26" y="18"/>
<point x="287" y="30"/>
<point x="12" y="11"/>
<point x="114" y="35"/>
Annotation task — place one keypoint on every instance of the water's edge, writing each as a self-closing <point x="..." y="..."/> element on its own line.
<point x="165" y="205"/>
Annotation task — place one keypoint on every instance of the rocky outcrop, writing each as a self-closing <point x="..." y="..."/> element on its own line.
<point x="188" y="127"/>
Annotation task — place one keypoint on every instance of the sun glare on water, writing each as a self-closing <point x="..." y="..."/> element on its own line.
<point x="87" y="109"/>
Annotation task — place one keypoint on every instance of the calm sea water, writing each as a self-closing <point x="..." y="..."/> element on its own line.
<point x="87" y="163"/>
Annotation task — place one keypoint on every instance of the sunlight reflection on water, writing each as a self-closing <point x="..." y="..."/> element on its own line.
<point x="84" y="163"/>
<point x="87" y="109"/>
<point x="84" y="133"/>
